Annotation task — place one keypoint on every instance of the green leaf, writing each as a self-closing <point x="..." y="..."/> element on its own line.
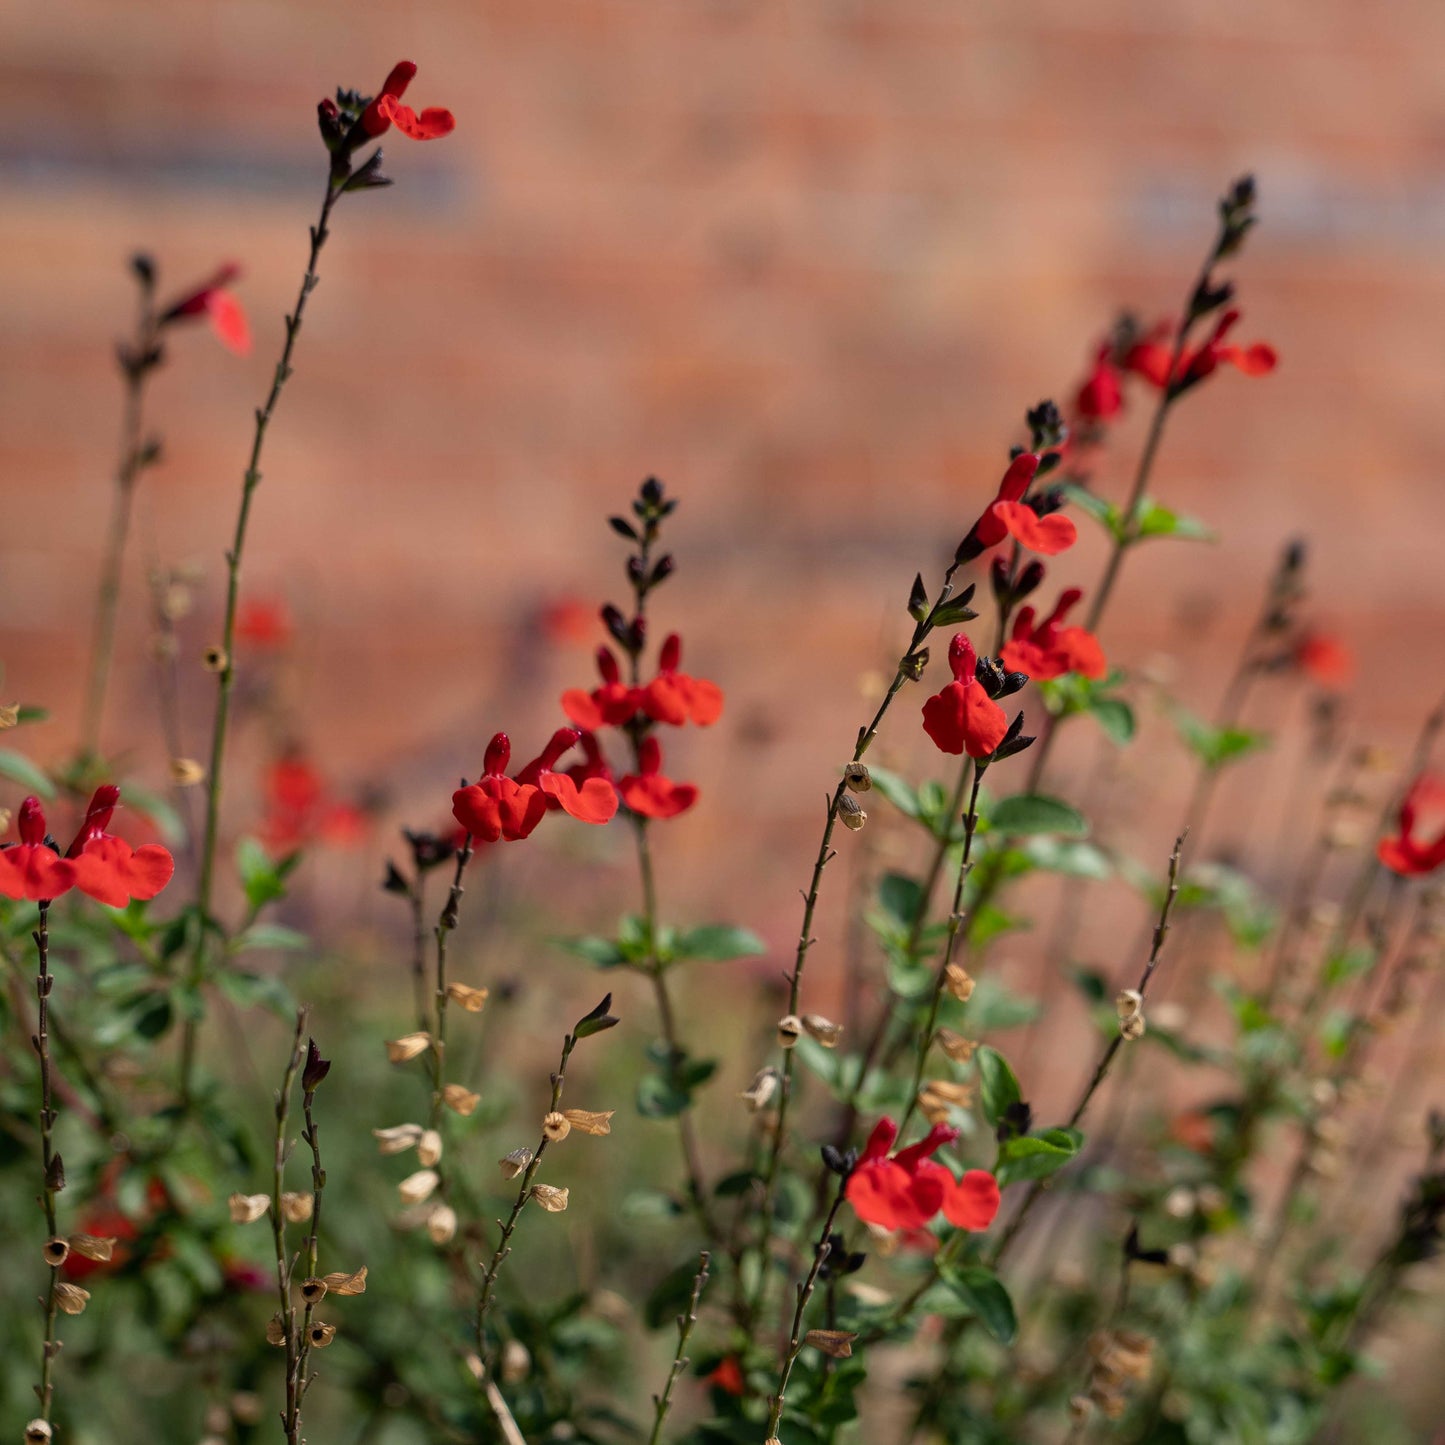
<point x="900" y="896"/>
<point x="271" y="935"/>
<point x="1069" y="856"/>
<point x="1036" y="1156"/>
<point x="669" y="1296"/>
<point x="1152" y="519"/>
<point x="19" y="769"/>
<point x="601" y="951"/>
<point x="158" y="809"/>
<point x="895" y="789"/>
<point x="994" y="1006"/>
<point x="998" y="1088"/>
<point x="1215" y="747"/>
<point x="1105" y="513"/>
<point x="985" y="1295"/>
<point x="718" y="942"/>
<point x="1116" y="717"/>
<point x="248" y="990"/>
<point x="262" y="877"/>
<point x="1026" y="813"/>
<point x="659" y="1098"/>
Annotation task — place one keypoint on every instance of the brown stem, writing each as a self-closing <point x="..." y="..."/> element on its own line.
<point x="685" y="1321"/>
<point x="312" y="1135"/>
<point x="291" y="1417"/>
<point x="53" y="1176"/>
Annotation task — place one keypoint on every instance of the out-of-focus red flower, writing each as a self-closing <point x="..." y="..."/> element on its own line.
<point x="963" y="717"/>
<point x="907" y="1189"/>
<point x="387" y="110"/>
<point x="107" y="867"/>
<point x="1194" y="1129"/>
<point x="614" y="704"/>
<point x="300" y="809"/>
<point x="1101" y="397"/>
<point x="1009" y="516"/>
<point x="1050" y="649"/>
<point x="566" y="620"/>
<point x="247" y="1276"/>
<point x="31" y="869"/>
<point x="104" y="1222"/>
<point x="1150" y="358"/>
<point x="264" y="623"/>
<point x="1419" y="845"/>
<point x="213" y="300"/>
<point x="675" y="698"/>
<point x="651" y="794"/>
<point x="593" y="799"/>
<point x="1327" y="660"/>
<point x="496" y="806"/>
<point x="728" y="1376"/>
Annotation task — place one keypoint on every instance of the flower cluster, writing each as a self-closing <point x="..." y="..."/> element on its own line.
<point x="97" y="862"/>
<point x="501" y="808"/>
<point x="906" y="1190"/>
<point x="1049" y="649"/>
<point x="1418" y="847"/>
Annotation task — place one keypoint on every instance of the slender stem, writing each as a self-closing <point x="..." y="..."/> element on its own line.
<point x="53" y="1177"/>
<point x="312" y="1135"/>
<point x="685" y="1321"/>
<point x="416" y="897"/>
<point x="821" y="1251"/>
<point x="225" y="677"/>
<point x="291" y="1418"/>
<point x="445" y="924"/>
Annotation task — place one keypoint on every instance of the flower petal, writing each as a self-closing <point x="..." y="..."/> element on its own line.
<point x="1048" y="535"/>
<point x="971" y="1202"/>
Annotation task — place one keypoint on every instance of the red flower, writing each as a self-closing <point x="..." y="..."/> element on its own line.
<point x="1406" y="853"/>
<point x="213" y="301"/>
<point x="30" y="868"/>
<point x="592" y="799"/>
<point x="107" y="867"/>
<point x="1150" y="358"/>
<point x="1009" y="516"/>
<point x="566" y="620"/>
<point x="387" y="110"/>
<point x="1050" y="649"/>
<point x="963" y="717"/>
<point x="301" y="810"/>
<point x="593" y="764"/>
<point x="674" y="697"/>
<point x="496" y="806"/>
<point x="264" y="623"/>
<point x="1101" y="397"/>
<point x="648" y="792"/>
<point x="611" y="705"/>
<point x="728" y="1376"/>
<point x="907" y="1190"/>
<point x="105" y="1222"/>
<point x="1326" y="660"/>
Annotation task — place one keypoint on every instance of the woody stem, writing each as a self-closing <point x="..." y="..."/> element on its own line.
<point x="53" y="1178"/>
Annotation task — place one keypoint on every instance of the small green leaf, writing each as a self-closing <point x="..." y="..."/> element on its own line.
<point x="659" y="1098"/>
<point x="718" y="942"/>
<point x="262" y="877"/>
<point x="1116" y="717"/>
<point x="1069" y="856"/>
<point x="271" y="935"/>
<point x="1105" y="513"/>
<point x="1026" y="813"/>
<point x="248" y="990"/>
<point x="998" y="1088"/>
<point x="19" y="769"/>
<point x="1215" y="747"/>
<point x="1036" y="1156"/>
<point x="1151" y="519"/>
<point x="601" y="951"/>
<point x="900" y="896"/>
<point x="985" y="1295"/>
<point x="895" y="789"/>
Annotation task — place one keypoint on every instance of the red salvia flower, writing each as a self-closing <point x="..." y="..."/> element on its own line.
<point x="593" y="764"/>
<point x="1326" y="660"/>
<point x="728" y="1376"/>
<point x="614" y="704"/>
<point x="300" y="809"/>
<point x="906" y="1190"/>
<point x="674" y="697"/>
<point x="651" y="794"/>
<point x="963" y="717"/>
<point x="1009" y="516"/>
<point x="496" y="806"/>
<point x="1101" y="397"/>
<point x="264" y="623"/>
<point x="592" y="800"/>
<point x="213" y="300"/>
<point x="1150" y="358"/>
<point x="1422" y="810"/>
<point x="1050" y="649"/>
<point x="387" y="110"/>
<point x="31" y="869"/>
<point x="107" y="867"/>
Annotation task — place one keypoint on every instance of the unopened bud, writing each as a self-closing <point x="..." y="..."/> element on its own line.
<point x="790" y="1030"/>
<point x="822" y="1030"/>
<point x="851" y="813"/>
<point x="248" y="1208"/>
<point x="552" y="1199"/>
<point x="555" y="1127"/>
<point x="857" y="777"/>
<point x="407" y="1047"/>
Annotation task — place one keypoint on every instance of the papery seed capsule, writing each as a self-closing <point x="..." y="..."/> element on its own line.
<point x="1128" y="1002"/>
<point x="341" y="1283"/>
<point x="247" y="1208"/>
<point x="416" y="1187"/>
<point x="99" y="1247"/>
<point x="407" y="1047"/>
<point x="186" y="772"/>
<point x="471" y="999"/>
<point x="71" y="1298"/>
<point x="38" y="1432"/>
<point x="790" y="1030"/>
<point x="555" y="1127"/>
<point x="429" y="1147"/>
<point x="321" y="1335"/>
<point x="296" y="1208"/>
<point x="514" y="1163"/>
<point x="398" y="1138"/>
<point x="441" y="1224"/>
<point x="313" y="1291"/>
<point x="586" y="1121"/>
<point x="459" y="1100"/>
<point x="516" y="1362"/>
<point x="1132" y="1027"/>
<point x="958" y="1048"/>
<point x="56" y="1252"/>
<point x="215" y="659"/>
<point x="858" y="778"/>
<point x="275" y="1331"/>
<point x="823" y="1030"/>
<point x="552" y="1199"/>
<point x="851" y="814"/>
<point x="761" y="1090"/>
<point x="958" y="983"/>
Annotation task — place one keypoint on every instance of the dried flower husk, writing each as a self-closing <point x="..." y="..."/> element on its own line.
<point x="857" y="776"/>
<point x="71" y="1298"/>
<point x="38" y="1432"/>
<point x="790" y="1030"/>
<point x="1131" y="1028"/>
<point x="398" y="1138"/>
<point x="313" y="1290"/>
<point x="339" y="1282"/>
<point x="99" y="1247"/>
<point x="441" y="1224"/>
<point x="459" y="1100"/>
<point x="471" y="999"/>
<point x="320" y="1335"/>
<point x="515" y="1364"/>
<point x="851" y="813"/>
<point x="215" y="659"/>
<point x="939" y="1097"/>
<point x="587" y="1121"/>
<point x="958" y="983"/>
<point x="1128" y="1002"/>
<point x="248" y="1208"/>
<point x="296" y="1208"/>
<point x="760" y="1092"/>
<point x="429" y="1148"/>
<point x="823" y="1030"/>
<point x="514" y="1163"/>
<point x="837" y="1344"/>
<point x="275" y="1331"/>
<point x="408" y="1046"/>
<point x="56" y="1252"/>
<point x="958" y="1048"/>
<point x="552" y="1199"/>
<point x="416" y="1187"/>
<point x="555" y="1127"/>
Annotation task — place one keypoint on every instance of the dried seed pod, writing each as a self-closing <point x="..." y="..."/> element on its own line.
<point x="408" y="1046"/>
<point x="38" y="1432"/>
<point x="958" y="983"/>
<point x="836" y="1344"/>
<point x="471" y="999"/>
<point x="275" y="1331"/>
<point x="760" y="1092"/>
<point x="56" y="1252"/>
<point x="341" y="1283"/>
<point x="459" y="1100"/>
<point x="1128" y="1002"/>
<point x="585" y="1121"/>
<point x="215" y="659"/>
<point x="429" y="1148"/>
<point x="958" y="1048"/>
<point x="247" y="1407"/>
<point x="296" y="1208"/>
<point x="441" y="1224"/>
<point x="938" y="1098"/>
<point x="851" y="813"/>
<point x="823" y="1030"/>
<point x="1132" y="1028"/>
<point x="416" y="1187"/>
<point x="515" y="1364"/>
<point x="858" y="778"/>
<point x="71" y="1298"/>
<point x="248" y="1208"/>
<point x="552" y="1199"/>
<point x="99" y="1247"/>
<point x="313" y="1290"/>
<point x="514" y="1163"/>
<point x="398" y="1138"/>
<point x="555" y="1127"/>
<point x="790" y="1030"/>
<point x="320" y="1335"/>
<point x="186" y="772"/>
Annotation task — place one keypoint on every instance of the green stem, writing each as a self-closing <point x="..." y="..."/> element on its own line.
<point x="53" y="1177"/>
<point x="685" y="1321"/>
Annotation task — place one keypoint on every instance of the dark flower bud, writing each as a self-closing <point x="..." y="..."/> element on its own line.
<point x="1012" y="682"/>
<point x="328" y="121"/>
<point x="1208" y="297"/>
<point x="838" y="1161"/>
<point x="635" y="574"/>
<point x="55" y="1174"/>
<point x="989" y="671"/>
<point x="918" y="599"/>
<point x="1046" y="426"/>
<point x="428" y="850"/>
<point x="1014" y="740"/>
<point x="143" y="268"/>
<point x="615" y="623"/>
<point x="368" y="177"/>
<point x="913" y="665"/>
<point x="1015" y="1122"/>
<point x="393" y="882"/>
<point x="651" y="492"/>
<point x="636" y="635"/>
<point x="663" y="570"/>
<point x="968" y="550"/>
<point x="1000" y="576"/>
<point x="1028" y="580"/>
<point x="316" y="1068"/>
<point x="1047" y="501"/>
<point x="1295" y="555"/>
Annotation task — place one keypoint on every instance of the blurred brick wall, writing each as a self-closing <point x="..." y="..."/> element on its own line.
<point x="808" y="262"/>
